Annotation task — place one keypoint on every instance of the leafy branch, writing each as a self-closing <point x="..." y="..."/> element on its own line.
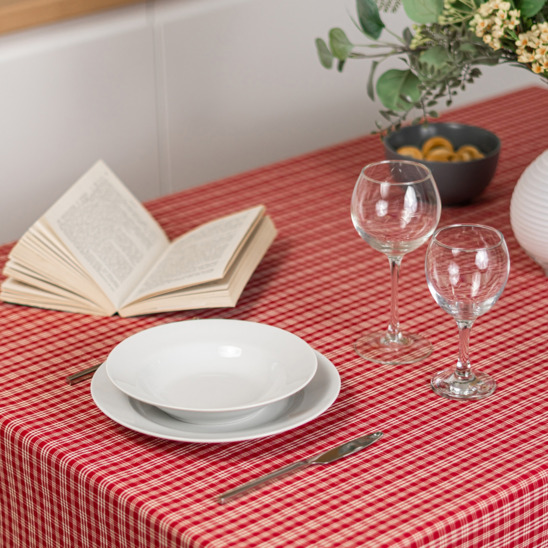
<point x="442" y="54"/>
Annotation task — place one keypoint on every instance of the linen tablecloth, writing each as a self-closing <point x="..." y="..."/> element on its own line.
<point x="445" y="474"/>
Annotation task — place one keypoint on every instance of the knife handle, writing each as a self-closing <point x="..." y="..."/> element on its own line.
<point x="75" y="378"/>
<point x="262" y="481"/>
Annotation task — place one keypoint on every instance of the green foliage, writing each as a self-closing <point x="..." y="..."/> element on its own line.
<point x="442" y="53"/>
<point x="436" y="57"/>
<point x="530" y="8"/>
<point x="325" y="55"/>
<point x="398" y="89"/>
<point x="340" y="45"/>
<point x="369" y="18"/>
<point x="423" y="11"/>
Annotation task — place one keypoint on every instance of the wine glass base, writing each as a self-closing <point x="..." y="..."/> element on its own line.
<point x="379" y="348"/>
<point x="447" y="384"/>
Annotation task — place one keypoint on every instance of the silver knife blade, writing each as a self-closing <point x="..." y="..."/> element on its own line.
<point x="345" y="449"/>
<point x="327" y="457"/>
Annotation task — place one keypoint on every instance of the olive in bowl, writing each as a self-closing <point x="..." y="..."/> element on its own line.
<point x="461" y="172"/>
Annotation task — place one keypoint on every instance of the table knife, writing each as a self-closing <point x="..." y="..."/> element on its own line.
<point x="329" y="456"/>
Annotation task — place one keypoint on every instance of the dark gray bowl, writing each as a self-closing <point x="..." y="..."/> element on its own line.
<point x="458" y="182"/>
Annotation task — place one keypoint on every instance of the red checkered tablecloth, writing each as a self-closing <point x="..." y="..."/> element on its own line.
<point x="446" y="473"/>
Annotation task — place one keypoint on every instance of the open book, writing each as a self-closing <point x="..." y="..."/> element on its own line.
<point x="98" y="251"/>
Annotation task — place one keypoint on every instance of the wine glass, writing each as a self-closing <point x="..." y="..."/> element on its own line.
<point x="467" y="267"/>
<point x="395" y="208"/>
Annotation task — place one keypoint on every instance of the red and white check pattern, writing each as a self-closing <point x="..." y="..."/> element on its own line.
<point x="446" y="474"/>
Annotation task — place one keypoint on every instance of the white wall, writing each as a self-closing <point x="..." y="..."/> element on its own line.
<point x="70" y="94"/>
<point x="175" y="93"/>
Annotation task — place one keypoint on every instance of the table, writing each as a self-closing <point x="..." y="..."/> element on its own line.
<point x="445" y="474"/>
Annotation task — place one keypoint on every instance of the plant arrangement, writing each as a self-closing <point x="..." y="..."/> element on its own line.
<point x="443" y="49"/>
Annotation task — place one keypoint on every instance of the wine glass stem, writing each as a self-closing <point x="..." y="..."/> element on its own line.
<point x="394" y="333"/>
<point x="464" y="370"/>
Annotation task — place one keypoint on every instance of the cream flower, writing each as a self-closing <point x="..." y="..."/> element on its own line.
<point x="541" y="52"/>
<point x="526" y="57"/>
<point x="524" y="40"/>
<point x="513" y="20"/>
<point x="485" y="10"/>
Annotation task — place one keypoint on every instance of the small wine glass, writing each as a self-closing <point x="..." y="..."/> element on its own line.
<point x="467" y="267"/>
<point x="395" y="208"/>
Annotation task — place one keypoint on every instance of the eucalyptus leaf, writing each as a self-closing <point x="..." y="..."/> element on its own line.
<point x="370" y="81"/>
<point x="436" y="56"/>
<point x="468" y="48"/>
<point x="326" y="57"/>
<point x="423" y="11"/>
<point x="369" y="18"/>
<point x="490" y="61"/>
<point x="339" y="43"/>
<point x="529" y="8"/>
<point x="407" y="36"/>
<point x="394" y="85"/>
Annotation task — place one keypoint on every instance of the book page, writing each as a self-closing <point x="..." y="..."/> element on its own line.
<point x="30" y="291"/>
<point x="41" y="252"/>
<point x="220" y="293"/>
<point x="108" y="231"/>
<point x="201" y="255"/>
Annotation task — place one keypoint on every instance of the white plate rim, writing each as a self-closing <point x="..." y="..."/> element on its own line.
<point x="307" y="359"/>
<point x="313" y="400"/>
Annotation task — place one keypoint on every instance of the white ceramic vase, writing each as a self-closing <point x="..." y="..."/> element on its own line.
<point x="529" y="210"/>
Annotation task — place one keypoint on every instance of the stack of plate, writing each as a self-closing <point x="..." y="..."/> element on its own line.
<point x="214" y="381"/>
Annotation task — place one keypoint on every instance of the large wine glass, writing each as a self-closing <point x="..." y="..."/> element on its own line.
<point x="395" y="209"/>
<point x="467" y="267"/>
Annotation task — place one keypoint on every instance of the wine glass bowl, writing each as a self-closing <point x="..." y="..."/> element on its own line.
<point x="467" y="267"/>
<point x="395" y="208"/>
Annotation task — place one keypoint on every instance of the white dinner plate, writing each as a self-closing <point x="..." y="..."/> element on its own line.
<point x="211" y="370"/>
<point x="310" y="402"/>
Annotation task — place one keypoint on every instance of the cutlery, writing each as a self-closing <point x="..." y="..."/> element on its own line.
<point x="327" y="457"/>
<point x="82" y="375"/>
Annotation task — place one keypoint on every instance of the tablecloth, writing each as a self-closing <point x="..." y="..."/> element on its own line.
<point x="445" y="474"/>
